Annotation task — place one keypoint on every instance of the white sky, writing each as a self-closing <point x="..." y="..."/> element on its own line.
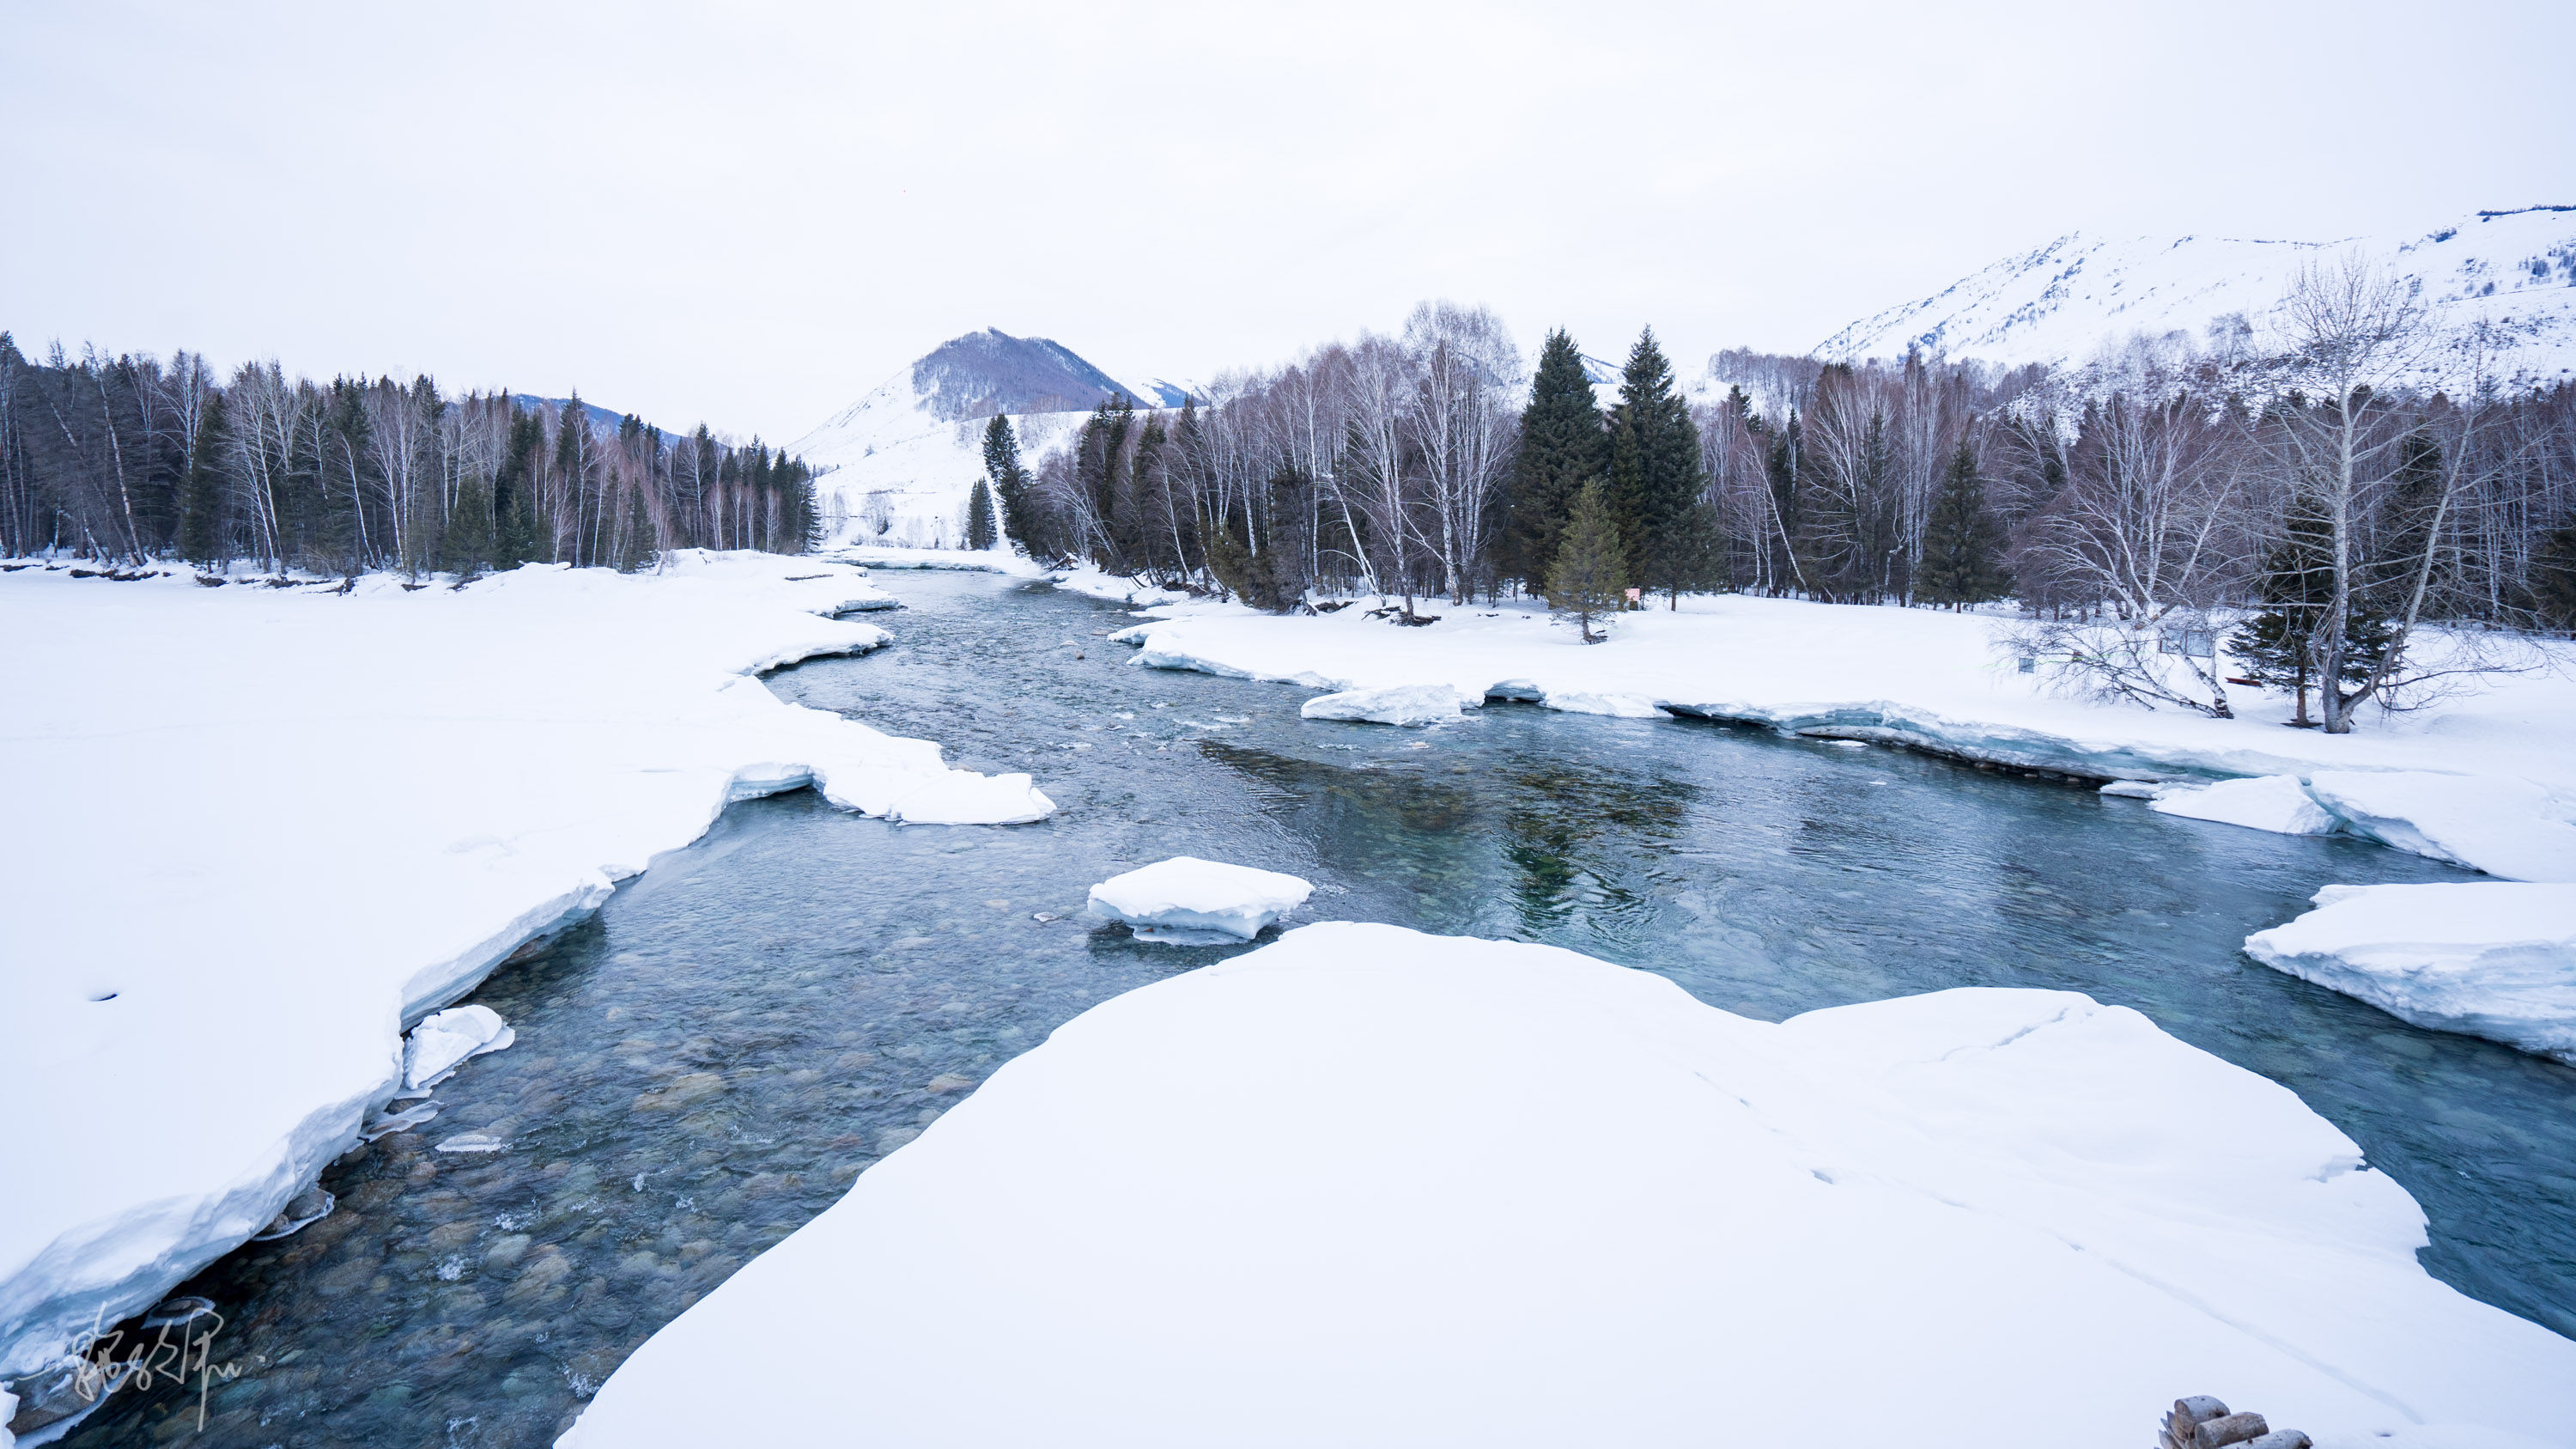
<point x="751" y="214"/>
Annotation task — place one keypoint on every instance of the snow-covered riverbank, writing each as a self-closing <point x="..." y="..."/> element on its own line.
<point x="1368" y="1186"/>
<point x="255" y="830"/>
<point x="2491" y="775"/>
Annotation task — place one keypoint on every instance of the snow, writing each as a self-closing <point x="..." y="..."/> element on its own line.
<point x="446" y="1038"/>
<point x="2065" y="301"/>
<point x="1394" y="704"/>
<point x="2262" y="802"/>
<point x="1186" y="900"/>
<point x="971" y="560"/>
<point x="1366" y="1186"/>
<point x="2485" y="780"/>
<point x="2488" y="959"/>
<point x="303" y="820"/>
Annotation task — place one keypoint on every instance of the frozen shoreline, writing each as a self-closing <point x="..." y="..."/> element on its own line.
<point x="1937" y="682"/>
<point x="268" y="828"/>
<point x="1370" y="1186"/>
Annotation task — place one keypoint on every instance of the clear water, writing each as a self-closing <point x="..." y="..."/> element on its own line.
<point x="710" y="1061"/>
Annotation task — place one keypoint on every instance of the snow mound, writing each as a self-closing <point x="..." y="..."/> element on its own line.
<point x="1186" y="899"/>
<point x="2276" y="803"/>
<point x="1372" y="1187"/>
<point x="2486" y="959"/>
<point x="964" y="797"/>
<point x="1398" y="704"/>
<point x="447" y="1038"/>
<point x="2504" y="826"/>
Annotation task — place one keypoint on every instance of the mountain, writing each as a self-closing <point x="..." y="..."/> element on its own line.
<point x="602" y="420"/>
<point x="901" y="459"/>
<point x="2064" y="302"/>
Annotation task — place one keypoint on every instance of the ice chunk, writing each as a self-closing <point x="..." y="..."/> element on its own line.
<point x="302" y="1211"/>
<point x="1186" y="899"/>
<point x="448" y="1037"/>
<point x="2498" y="824"/>
<point x="2139" y="789"/>
<point x="2487" y="958"/>
<point x="1394" y="704"/>
<point x="962" y="797"/>
<point x="1215" y="1210"/>
<point x="2266" y="802"/>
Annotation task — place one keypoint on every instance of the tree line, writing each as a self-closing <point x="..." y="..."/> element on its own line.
<point x="2300" y="498"/>
<point x="126" y="459"/>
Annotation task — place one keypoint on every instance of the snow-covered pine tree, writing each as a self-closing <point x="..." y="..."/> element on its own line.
<point x="1590" y="574"/>
<point x="1962" y="542"/>
<point x="1561" y="445"/>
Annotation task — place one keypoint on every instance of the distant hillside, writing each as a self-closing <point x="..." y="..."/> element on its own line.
<point x="904" y="455"/>
<point x="602" y="420"/>
<point x="2515" y="270"/>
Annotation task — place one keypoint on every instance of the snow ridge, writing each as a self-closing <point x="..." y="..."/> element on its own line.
<point x="2062" y="303"/>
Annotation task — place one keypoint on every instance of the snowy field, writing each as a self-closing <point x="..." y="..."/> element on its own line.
<point x="257" y="831"/>
<point x="1366" y="1186"/>
<point x="2487" y="781"/>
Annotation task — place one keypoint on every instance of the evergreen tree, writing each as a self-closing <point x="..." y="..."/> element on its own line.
<point x="1590" y="574"/>
<point x="1562" y="444"/>
<point x="467" y="546"/>
<point x="2279" y="645"/>
<point x="2553" y="578"/>
<point x="201" y="495"/>
<point x="1655" y="477"/>
<point x="1010" y="484"/>
<point x="514" y="532"/>
<point x="979" y="516"/>
<point x="1962" y="542"/>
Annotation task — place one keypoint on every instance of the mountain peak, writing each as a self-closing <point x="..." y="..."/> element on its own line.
<point x="991" y="371"/>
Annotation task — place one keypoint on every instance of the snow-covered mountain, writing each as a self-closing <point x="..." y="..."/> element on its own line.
<point x="2515" y="270"/>
<point x="901" y="459"/>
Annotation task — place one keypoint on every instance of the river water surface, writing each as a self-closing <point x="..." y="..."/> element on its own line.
<point x="710" y="1061"/>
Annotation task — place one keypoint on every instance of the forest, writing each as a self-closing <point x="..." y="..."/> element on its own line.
<point x="126" y="459"/>
<point x="2135" y="507"/>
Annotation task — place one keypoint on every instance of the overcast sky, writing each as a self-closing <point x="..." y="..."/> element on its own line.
<point x="751" y="214"/>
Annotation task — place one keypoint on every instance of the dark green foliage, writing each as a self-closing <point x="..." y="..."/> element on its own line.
<point x="1590" y="574"/>
<point x="201" y="494"/>
<point x="2279" y="647"/>
<point x="1562" y="445"/>
<point x="467" y="549"/>
<point x="1656" y="481"/>
<point x="1962" y="542"/>
<point x="979" y="516"/>
<point x="1010" y="484"/>
<point x="514" y="531"/>
<point x="2553" y="578"/>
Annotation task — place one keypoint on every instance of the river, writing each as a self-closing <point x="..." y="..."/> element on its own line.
<point x="713" y="1058"/>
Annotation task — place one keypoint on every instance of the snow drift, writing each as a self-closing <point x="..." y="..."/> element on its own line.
<point x="1366" y="1186"/>
<point x="2487" y="959"/>
<point x="1184" y="899"/>
<point x="291" y="821"/>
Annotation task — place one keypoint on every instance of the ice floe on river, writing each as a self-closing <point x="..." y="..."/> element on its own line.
<point x="2278" y="803"/>
<point x="1395" y="704"/>
<point x="2490" y="959"/>
<point x="2485" y="780"/>
<point x="1368" y="1186"/>
<point x="1186" y="900"/>
<point x="258" y="831"/>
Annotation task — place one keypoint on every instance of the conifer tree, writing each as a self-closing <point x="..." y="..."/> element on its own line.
<point x="2279" y="645"/>
<point x="979" y="516"/>
<point x="514" y="534"/>
<point x="2553" y="578"/>
<point x="201" y="493"/>
<point x="1962" y="542"/>
<point x="1010" y="483"/>
<point x="1590" y="574"/>
<point x="1561" y="445"/>
<point x="1655" y="478"/>
<point x="467" y="546"/>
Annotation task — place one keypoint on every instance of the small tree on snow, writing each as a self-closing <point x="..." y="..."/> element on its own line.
<point x="1962" y="543"/>
<point x="979" y="517"/>
<point x="1590" y="575"/>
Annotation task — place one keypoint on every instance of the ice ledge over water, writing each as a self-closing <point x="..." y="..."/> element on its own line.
<point x="1186" y="900"/>
<point x="366" y="802"/>
<point x="1371" y="1187"/>
<point x="2487" y="959"/>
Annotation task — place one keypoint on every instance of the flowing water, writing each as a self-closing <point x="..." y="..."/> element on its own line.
<point x="711" y="1060"/>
